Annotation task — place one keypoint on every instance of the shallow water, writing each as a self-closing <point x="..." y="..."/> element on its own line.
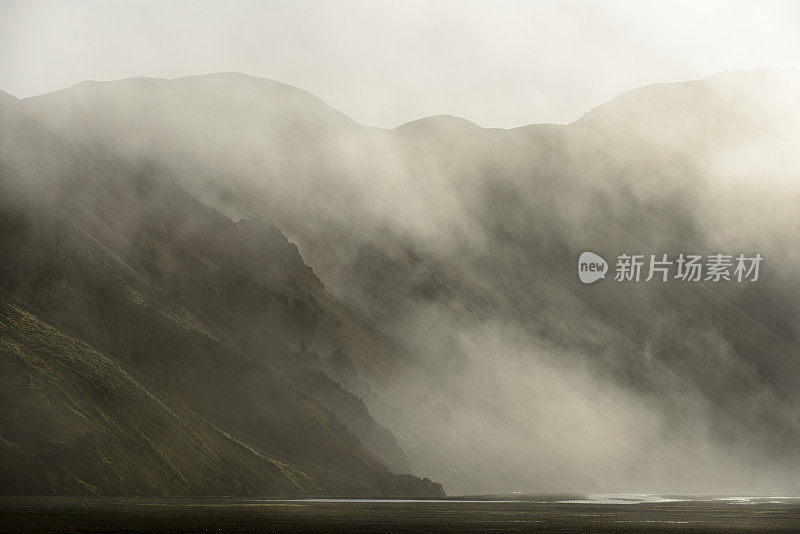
<point x="595" y="513"/>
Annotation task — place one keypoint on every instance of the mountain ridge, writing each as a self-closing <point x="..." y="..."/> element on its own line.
<point x="269" y="81"/>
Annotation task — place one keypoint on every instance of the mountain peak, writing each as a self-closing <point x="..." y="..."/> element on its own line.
<point x="256" y="107"/>
<point x="667" y="97"/>
<point x="7" y="97"/>
<point x="438" y="122"/>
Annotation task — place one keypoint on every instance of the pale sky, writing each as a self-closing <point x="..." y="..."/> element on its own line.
<point x="387" y="62"/>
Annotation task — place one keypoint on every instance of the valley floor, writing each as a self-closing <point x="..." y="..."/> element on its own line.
<point x="43" y="514"/>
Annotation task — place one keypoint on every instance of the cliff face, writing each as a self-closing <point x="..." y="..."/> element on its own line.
<point x="154" y="346"/>
<point x="75" y="422"/>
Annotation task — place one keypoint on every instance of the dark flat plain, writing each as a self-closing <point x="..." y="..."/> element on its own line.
<point x="44" y="514"/>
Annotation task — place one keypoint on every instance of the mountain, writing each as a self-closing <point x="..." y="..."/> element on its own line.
<point x="7" y="100"/>
<point x="202" y="324"/>
<point x="75" y="422"/>
<point x="442" y="330"/>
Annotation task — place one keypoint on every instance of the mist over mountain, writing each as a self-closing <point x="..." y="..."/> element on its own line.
<point x="323" y="307"/>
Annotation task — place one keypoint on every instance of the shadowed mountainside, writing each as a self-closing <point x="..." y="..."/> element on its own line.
<point x="209" y="318"/>
<point x="447" y="251"/>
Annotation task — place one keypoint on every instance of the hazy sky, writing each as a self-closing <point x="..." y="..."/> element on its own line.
<point x="383" y="63"/>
